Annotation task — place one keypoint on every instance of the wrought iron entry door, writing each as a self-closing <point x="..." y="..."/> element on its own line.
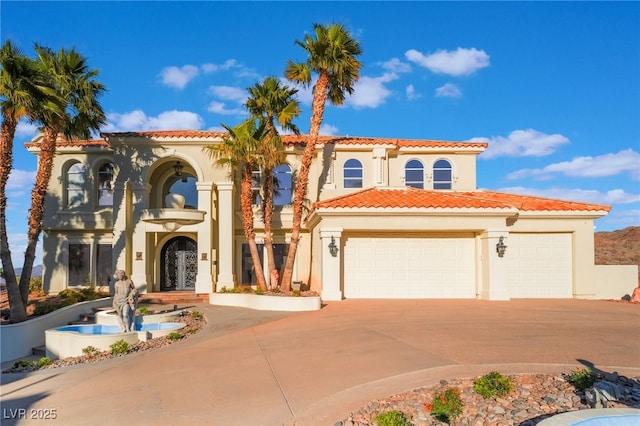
<point x="179" y="264"/>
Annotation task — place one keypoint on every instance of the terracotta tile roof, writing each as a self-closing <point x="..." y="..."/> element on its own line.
<point x="533" y="203"/>
<point x="409" y="198"/>
<point x="398" y="143"/>
<point x="72" y="143"/>
<point x="181" y="134"/>
<point x="418" y="198"/>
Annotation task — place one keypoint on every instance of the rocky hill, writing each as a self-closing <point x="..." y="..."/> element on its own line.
<point x="620" y="247"/>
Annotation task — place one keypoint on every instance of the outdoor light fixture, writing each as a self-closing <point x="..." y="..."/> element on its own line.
<point x="501" y="247"/>
<point x="178" y="168"/>
<point x="333" y="248"/>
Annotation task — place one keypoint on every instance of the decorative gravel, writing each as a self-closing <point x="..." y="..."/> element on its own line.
<point x="534" y="398"/>
<point x="192" y="326"/>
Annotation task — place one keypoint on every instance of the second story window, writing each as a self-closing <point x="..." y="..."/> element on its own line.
<point x="414" y="174"/>
<point x="256" y="180"/>
<point x="442" y="175"/>
<point x="352" y="174"/>
<point x="75" y="185"/>
<point x="283" y="185"/>
<point x="105" y="185"/>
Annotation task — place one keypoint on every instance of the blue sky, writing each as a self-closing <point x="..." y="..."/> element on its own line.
<point x="553" y="87"/>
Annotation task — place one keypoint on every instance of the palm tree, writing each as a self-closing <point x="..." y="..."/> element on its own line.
<point x="332" y="55"/>
<point x="23" y="94"/>
<point x="270" y="101"/>
<point x="238" y="151"/>
<point x="69" y="77"/>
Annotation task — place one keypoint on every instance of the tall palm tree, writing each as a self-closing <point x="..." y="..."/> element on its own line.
<point x="271" y="101"/>
<point x="23" y="94"/>
<point x="68" y="75"/>
<point x="238" y="151"/>
<point x="332" y="55"/>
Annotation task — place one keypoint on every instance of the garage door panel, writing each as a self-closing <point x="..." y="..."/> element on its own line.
<point x="409" y="268"/>
<point x="540" y="265"/>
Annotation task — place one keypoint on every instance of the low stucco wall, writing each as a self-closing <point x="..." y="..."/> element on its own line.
<point x="17" y="340"/>
<point x="266" y="303"/>
<point x="615" y="281"/>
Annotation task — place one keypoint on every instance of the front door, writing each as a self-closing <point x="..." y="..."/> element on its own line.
<point x="179" y="264"/>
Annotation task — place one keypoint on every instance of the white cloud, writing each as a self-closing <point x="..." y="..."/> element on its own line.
<point x="138" y="120"/>
<point x="179" y="77"/>
<point x="395" y="65"/>
<point x="411" y="93"/>
<point x="449" y="90"/>
<point x="226" y="65"/>
<point x="521" y="143"/>
<point x="614" y="196"/>
<point x="328" y="130"/>
<point x="458" y="62"/>
<point x="626" y="161"/>
<point x="221" y="108"/>
<point x="370" y="92"/>
<point x="19" y="180"/>
<point x="26" y="130"/>
<point x="229" y="93"/>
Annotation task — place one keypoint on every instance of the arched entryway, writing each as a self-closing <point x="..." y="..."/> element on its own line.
<point x="179" y="264"/>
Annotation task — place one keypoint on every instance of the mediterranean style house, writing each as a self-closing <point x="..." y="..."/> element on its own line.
<point x="387" y="218"/>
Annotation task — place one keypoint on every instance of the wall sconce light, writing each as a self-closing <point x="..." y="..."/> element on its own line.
<point x="501" y="247"/>
<point x="333" y="248"/>
<point x="138" y="255"/>
<point x="178" y="168"/>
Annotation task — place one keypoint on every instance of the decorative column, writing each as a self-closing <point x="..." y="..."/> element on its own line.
<point x="204" y="279"/>
<point x="225" y="235"/>
<point x="139" y="254"/>
<point x="494" y="265"/>
<point x="328" y="161"/>
<point x="331" y="260"/>
<point x="379" y="154"/>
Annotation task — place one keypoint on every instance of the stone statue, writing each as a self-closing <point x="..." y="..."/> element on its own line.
<point x="125" y="300"/>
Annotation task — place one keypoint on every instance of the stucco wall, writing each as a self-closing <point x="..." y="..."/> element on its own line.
<point x="615" y="281"/>
<point x="17" y="340"/>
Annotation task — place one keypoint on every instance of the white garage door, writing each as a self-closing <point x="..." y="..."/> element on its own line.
<point x="409" y="267"/>
<point x="539" y="265"/>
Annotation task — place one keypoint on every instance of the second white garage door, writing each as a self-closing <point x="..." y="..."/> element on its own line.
<point x="409" y="267"/>
<point x="539" y="265"/>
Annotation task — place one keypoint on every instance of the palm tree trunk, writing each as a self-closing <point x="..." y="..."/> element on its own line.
<point x="17" y="309"/>
<point x="267" y="215"/>
<point x="247" y="218"/>
<point x="317" y="112"/>
<point x="36" y="212"/>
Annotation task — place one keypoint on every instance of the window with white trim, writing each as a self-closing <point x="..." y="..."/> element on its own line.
<point x="352" y="174"/>
<point x="414" y="174"/>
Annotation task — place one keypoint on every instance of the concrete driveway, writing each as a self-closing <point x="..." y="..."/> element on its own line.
<point x="267" y="368"/>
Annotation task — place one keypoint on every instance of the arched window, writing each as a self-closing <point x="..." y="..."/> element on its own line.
<point x="76" y="185"/>
<point x="352" y="174"/>
<point x="283" y="185"/>
<point x="105" y="185"/>
<point x="414" y="174"/>
<point x="442" y="175"/>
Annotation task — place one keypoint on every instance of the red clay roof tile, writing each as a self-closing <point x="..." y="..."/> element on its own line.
<point x="418" y="198"/>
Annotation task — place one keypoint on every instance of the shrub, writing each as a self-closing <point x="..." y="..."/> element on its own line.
<point x="297" y="293"/>
<point x="45" y="360"/>
<point x="492" y="384"/>
<point x="258" y="291"/>
<point x="582" y="378"/>
<point x="446" y="405"/>
<point x="119" y="348"/>
<point x="196" y="315"/>
<point x="392" y="418"/>
<point x="143" y="310"/>
<point x="174" y="335"/>
<point x="90" y="351"/>
<point x="35" y="286"/>
<point x="21" y="363"/>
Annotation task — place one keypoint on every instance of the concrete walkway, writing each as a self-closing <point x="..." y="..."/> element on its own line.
<point x="267" y="368"/>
